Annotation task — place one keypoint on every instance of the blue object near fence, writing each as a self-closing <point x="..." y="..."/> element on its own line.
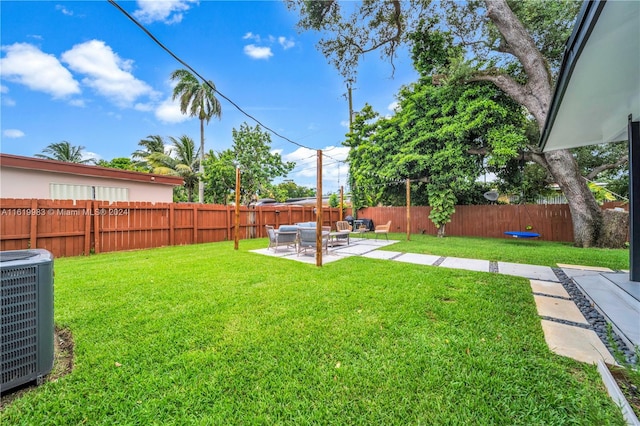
<point x="518" y="234"/>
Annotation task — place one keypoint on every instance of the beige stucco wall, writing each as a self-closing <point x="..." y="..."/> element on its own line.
<point x="25" y="183"/>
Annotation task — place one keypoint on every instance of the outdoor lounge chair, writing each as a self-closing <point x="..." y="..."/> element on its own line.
<point x="383" y="229"/>
<point x="285" y="236"/>
<point x="307" y="240"/>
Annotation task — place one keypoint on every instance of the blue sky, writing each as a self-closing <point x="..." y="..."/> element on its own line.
<point x="80" y="71"/>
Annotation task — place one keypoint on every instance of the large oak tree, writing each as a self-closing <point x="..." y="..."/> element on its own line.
<point x="515" y="45"/>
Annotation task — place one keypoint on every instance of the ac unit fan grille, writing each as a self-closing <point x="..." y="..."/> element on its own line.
<point x="19" y="322"/>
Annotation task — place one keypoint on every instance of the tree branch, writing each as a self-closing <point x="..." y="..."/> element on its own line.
<point x="482" y="151"/>
<point x="506" y="83"/>
<point x="520" y="43"/>
<point x="596" y="171"/>
<point x="394" y="39"/>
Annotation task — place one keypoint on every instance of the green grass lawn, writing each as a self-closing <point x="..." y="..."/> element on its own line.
<point x="533" y="252"/>
<point x="204" y="334"/>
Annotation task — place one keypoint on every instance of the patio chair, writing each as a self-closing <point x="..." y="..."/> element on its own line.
<point x="343" y="229"/>
<point x="285" y="236"/>
<point x="383" y="229"/>
<point x="307" y="240"/>
<point x="342" y="226"/>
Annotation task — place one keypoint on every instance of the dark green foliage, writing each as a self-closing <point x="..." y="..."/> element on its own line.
<point x="149" y="145"/>
<point x="432" y="139"/>
<point x="122" y="163"/>
<point x="606" y="163"/>
<point x="219" y="176"/>
<point x="251" y="152"/>
<point x="289" y="189"/>
<point x="334" y="200"/>
<point x="64" y="151"/>
<point x="182" y="161"/>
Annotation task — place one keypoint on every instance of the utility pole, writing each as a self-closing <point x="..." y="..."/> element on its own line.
<point x="350" y="105"/>
<point x="349" y="82"/>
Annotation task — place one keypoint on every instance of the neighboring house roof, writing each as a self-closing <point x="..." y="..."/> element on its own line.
<point x="19" y="162"/>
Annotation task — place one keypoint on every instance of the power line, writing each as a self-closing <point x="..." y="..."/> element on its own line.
<point x="166" y="49"/>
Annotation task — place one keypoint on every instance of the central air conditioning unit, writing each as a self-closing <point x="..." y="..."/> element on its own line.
<point x="26" y="316"/>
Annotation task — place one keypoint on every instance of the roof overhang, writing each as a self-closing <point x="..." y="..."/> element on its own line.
<point x="599" y="81"/>
<point x="19" y="162"/>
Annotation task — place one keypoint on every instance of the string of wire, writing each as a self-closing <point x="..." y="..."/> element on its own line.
<point x="187" y="66"/>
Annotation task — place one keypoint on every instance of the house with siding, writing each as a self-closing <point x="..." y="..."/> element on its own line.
<point x="27" y="177"/>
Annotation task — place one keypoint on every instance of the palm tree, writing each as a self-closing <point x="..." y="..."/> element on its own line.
<point x="153" y="143"/>
<point x="183" y="161"/>
<point x="197" y="100"/>
<point x="64" y="151"/>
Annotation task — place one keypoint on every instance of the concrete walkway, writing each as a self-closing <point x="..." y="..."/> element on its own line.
<point x="566" y="330"/>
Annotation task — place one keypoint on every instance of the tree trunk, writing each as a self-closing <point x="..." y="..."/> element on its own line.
<point x="585" y="212"/>
<point x="441" y="231"/>
<point x="615" y="229"/>
<point x="536" y="96"/>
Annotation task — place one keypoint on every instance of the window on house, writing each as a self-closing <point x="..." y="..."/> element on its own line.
<point x="64" y="191"/>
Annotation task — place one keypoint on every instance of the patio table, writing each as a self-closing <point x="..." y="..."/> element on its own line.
<point x="334" y="237"/>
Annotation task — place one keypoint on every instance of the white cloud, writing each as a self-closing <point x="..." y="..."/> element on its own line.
<point x="393" y="106"/>
<point x="77" y="103"/>
<point x="13" y="133"/>
<point x="64" y="10"/>
<point x="26" y="64"/>
<point x="257" y="52"/>
<point x="169" y="112"/>
<point x="88" y="155"/>
<point x="345" y="123"/>
<point x="145" y="107"/>
<point x="334" y="169"/>
<point x="106" y="72"/>
<point x="7" y="101"/>
<point x="167" y="11"/>
<point x="265" y="52"/>
<point x="305" y="160"/>
<point x="252" y="36"/>
<point x="286" y="43"/>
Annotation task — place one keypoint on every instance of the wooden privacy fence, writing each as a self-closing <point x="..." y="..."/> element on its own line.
<point x="552" y="221"/>
<point x="68" y="228"/>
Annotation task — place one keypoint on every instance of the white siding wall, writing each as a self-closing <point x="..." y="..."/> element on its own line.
<point x="28" y="183"/>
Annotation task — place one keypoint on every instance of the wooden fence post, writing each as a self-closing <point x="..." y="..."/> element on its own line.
<point x="88" y="211"/>
<point x="172" y="225"/>
<point x="96" y="229"/>
<point x="33" y="225"/>
<point x="195" y="224"/>
<point x="228" y="221"/>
